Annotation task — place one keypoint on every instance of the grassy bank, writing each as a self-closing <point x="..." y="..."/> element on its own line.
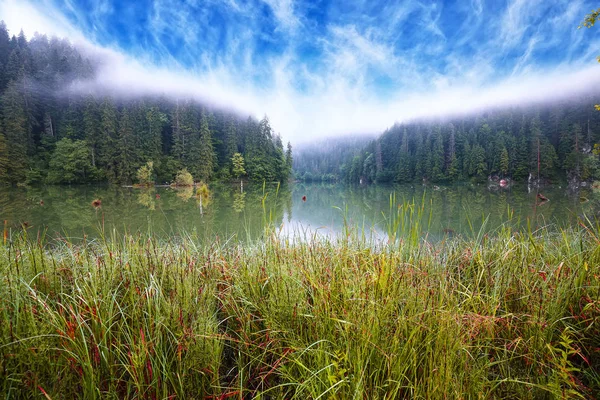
<point x="134" y="317"/>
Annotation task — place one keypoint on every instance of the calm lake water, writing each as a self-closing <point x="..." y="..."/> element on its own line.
<point x="327" y="209"/>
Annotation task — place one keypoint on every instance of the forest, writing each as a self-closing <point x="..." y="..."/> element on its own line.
<point x="558" y="141"/>
<point x="322" y="160"/>
<point x="51" y="133"/>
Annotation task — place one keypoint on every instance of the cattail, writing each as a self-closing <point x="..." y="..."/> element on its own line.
<point x="303" y="198"/>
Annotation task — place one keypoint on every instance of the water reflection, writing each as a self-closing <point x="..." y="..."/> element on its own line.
<point x="225" y="211"/>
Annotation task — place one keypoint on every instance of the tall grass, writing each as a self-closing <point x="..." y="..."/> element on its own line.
<point x="512" y="315"/>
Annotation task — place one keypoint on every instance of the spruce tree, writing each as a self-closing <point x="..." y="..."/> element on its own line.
<point x="15" y="132"/>
<point x="108" y="140"/>
<point x="205" y="151"/>
<point x="4" y="177"/>
<point x="288" y="161"/>
<point x="127" y="163"/>
<point x="504" y="161"/>
<point x="91" y="124"/>
<point x="404" y="173"/>
<point x="437" y="154"/>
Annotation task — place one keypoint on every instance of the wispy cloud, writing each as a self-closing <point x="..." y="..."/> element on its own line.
<point x="284" y="12"/>
<point x="329" y="67"/>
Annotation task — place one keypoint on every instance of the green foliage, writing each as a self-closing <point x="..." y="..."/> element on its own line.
<point x="590" y="19"/>
<point x="504" y="161"/>
<point x="12" y="105"/>
<point x="369" y="170"/>
<point x="121" y="134"/>
<point x="184" y="178"/>
<point x="145" y="174"/>
<point x="506" y="143"/>
<point x="71" y="163"/>
<point x="207" y="157"/>
<point x="237" y="161"/>
<point x="203" y="194"/>
<point x="289" y="160"/>
<point x="264" y="157"/>
<point x="3" y="159"/>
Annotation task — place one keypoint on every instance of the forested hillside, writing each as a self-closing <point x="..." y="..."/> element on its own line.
<point x="560" y="141"/>
<point x="321" y="161"/>
<point x="51" y="134"/>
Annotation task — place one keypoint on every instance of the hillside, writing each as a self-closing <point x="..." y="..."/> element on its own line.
<point x="51" y="132"/>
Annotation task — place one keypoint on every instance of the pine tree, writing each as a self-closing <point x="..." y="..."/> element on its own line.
<point x="15" y="132"/>
<point x="4" y="165"/>
<point x="504" y="161"/>
<point x="288" y="161"/>
<point x="4" y="54"/>
<point x="421" y="159"/>
<point x="231" y="146"/>
<point x="108" y="153"/>
<point x="437" y="154"/>
<point x="70" y="162"/>
<point x="152" y="140"/>
<point x="521" y="170"/>
<point x="205" y="151"/>
<point x="535" y="136"/>
<point x="127" y="160"/>
<point x="91" y="127"/>
<point x="478" y="162"/>
<point x="404" y="173"/>
<point x="278" y="163"/>
<point x="177" y="139"/>
<point x="548" y="158"/>
<point x="369" y="168"/>
<point x="238" y="170"/>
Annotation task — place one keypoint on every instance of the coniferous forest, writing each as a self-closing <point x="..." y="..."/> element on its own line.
<point x="51" y="133"/>
<point x="560" y="140"/>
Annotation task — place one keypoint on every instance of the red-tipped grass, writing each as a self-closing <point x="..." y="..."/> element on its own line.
<point x="504" y="316"/>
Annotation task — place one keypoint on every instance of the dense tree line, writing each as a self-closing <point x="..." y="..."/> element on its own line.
<point x="321" y="161"/>
<point x="557" y="141"/>
<point x="51" y="133"/>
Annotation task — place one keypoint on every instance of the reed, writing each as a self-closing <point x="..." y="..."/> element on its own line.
<point x="502" y="315"/>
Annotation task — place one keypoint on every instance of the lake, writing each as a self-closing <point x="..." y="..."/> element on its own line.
<point x="299" y="210"/>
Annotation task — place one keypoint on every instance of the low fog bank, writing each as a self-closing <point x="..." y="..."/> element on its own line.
<point x="337" y="111"/>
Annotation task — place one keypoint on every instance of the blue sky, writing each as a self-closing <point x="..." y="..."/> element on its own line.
<point x="331" y="67"/>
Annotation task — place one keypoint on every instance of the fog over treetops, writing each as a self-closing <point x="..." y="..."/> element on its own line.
<point x="328" y="69"/>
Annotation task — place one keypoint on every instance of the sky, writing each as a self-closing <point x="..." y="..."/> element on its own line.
<point x="322" y="68"/>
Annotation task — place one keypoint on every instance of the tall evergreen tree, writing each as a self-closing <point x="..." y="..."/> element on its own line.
<point x="206" y="151"/>
<point x="289" y="161"/>
<point x="107" y="143"/>
<point x="14" y="123"/>
<point x="127" y="163"/>
<point x="404" y="172"/>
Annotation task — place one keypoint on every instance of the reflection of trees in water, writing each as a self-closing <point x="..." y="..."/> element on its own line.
<point x="453" y="208"/>
<point x="239" y="202"/>
<point x="68" y="210"/>
<point x="203" y="197"/>
<point x="185" y="193"/>
<point x="146" y="197"/>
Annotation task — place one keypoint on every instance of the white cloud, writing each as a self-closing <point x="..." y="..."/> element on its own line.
<point x="19" y="14"/>
<point x="284" y="12"/>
